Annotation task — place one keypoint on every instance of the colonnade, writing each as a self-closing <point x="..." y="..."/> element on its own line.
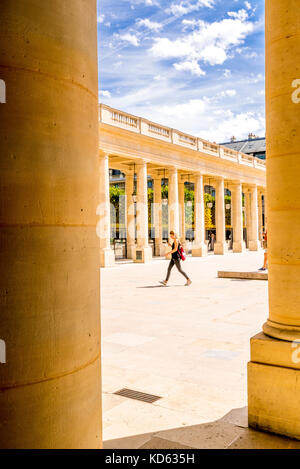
<point x="137" y="227"/>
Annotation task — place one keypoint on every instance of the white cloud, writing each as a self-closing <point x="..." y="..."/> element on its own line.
<point x="105" y="93"/>
<point x="187" y="6"/>
<point x="241" y="15"/>
<point x="210" y="43"/>
<point x="127" y="37"/>
<point x="191" y="66"/>
<point x="248" y="5"/>
<point x="100" y="18"/>
<point x="152" y="25"/>
<point x="148" y="3"/>
<point x="229" y="93"/>
<point x="227" y="73"/>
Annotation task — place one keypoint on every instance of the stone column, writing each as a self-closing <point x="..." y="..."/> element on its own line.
<point x="199" y="248"/>
<point x="50" y="387"/>
<point x="173" y="201"/>
<point x="107" y="257"/>
<point x="237" y="217"/>
<point x="130" y="216"/>
<point x="220" y="245"/>
<point x="143" y="252"/>
<point x="159" y="246"/>
<point x="248" y="215"/>
<point x="274" y="371"/>
<point x="253" y="239"/>
<point x="182" y="231"/>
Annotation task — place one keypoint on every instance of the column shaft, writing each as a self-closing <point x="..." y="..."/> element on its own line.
<point x="199" y="248"/>
<point x="253" y="241"/>
<point x="220" y="245"/>
<point x="50" y="387"/>
<point x="248" y="215"/>
<point x="130" y="216"/>
<point x="173" y="201"/>
<point x="182" y="231"/>
<point x="107" y="257"/>
<point x="237" y="217"/>
<point x="159" y="247"/>
<point x="143" y="250"/>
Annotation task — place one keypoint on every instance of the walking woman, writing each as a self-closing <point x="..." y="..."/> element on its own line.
<point x="176" y="260"/>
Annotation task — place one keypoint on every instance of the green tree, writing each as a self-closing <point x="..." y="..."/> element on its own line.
<point x="228" y="212"/>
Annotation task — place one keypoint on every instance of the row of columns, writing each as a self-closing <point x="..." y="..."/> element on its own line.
<point x="142" y="252"/>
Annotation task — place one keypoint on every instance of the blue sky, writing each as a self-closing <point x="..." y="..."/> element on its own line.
<point x="194" y="65"/>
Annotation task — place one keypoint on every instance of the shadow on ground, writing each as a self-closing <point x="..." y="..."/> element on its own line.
<point x="229" y="432"/>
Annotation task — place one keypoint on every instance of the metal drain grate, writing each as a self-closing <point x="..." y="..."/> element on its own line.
<point x="138" y="396"/>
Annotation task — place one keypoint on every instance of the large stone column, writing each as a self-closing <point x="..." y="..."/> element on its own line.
<point x="253" y="238"/>
<point x="173" y="201"/>
<point x="274" y="371"/>
<point x="199" y="247"/>
<point x="237" y="217"/>
<point x="220" y="245"/>
<point x="182" y="230"/>
<point x="107" y="256"/>
<point x="130" y="215"/>
<point x="143" y="252"/>
<point x="159" y="247"/>
<point x="50" y="387"/>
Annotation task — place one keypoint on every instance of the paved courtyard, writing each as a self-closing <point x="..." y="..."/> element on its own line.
<point x="189" y="345"/>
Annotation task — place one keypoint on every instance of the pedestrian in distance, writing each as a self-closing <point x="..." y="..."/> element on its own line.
<point x="265" y="246"/>
<point x="175" y="260"/>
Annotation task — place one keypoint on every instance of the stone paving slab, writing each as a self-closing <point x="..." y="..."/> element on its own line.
<point x="189" y="345"/>
<point x="243" y="275"/>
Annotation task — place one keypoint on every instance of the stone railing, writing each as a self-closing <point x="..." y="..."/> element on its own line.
<point x="230" y="154"/>
<point x="145" y="127"/>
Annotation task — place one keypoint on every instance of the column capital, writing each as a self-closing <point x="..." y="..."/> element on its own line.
<point x="172" y="170"/>
<point x="233" y="185"/>
<point x="141" y="163"/>
<point x="215" y="179"/>
<point x="250" y="187"/>
<point x="198" y="173"/>
<point x="103" y="154"/>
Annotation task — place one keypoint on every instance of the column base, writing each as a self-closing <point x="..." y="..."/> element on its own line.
<point x="274" y="386"/>
<point x="131" y="251"/>
<point x="200" y="251"/>
<point x="143" y="255"/>
<point x="220" y="248"/>
<point x="107" y="258"/>
<point x="238" y="246"/>
<point x="254" y="245"/>
<point x="160" y="249"/>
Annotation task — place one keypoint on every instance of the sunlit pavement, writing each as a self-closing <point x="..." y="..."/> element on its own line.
<point x="188" y="345"/>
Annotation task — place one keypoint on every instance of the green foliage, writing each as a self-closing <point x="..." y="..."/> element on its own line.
<point x="165" y="192"/>
<point x="228" y="212"/>
<point x="209" y="212"/>
<point x="115" y="192"/>
<point x="150" y="202"/>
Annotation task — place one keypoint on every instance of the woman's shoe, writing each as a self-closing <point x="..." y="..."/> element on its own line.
<point x="188" y="283"/>
<point x="164" y="283"/>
